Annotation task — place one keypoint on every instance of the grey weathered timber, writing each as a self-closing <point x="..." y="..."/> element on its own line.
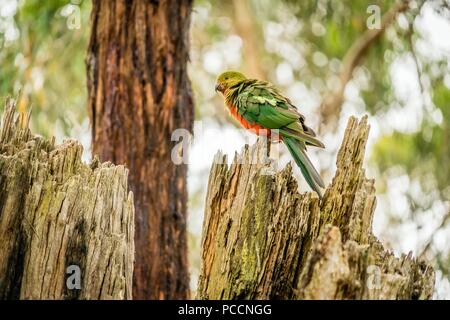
<point x="262" y="239"/>
<point x="57" y="212"/>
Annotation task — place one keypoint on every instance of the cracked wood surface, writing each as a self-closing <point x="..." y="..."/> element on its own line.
<point x="56" y="211"/>
<point x="262" y="239"/>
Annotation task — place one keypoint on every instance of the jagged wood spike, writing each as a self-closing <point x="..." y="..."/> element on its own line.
<point x="262" y="239"/>
<point x="56" y="211"/>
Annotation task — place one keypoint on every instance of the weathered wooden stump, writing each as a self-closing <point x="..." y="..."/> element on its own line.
<point x="59" y="216"/>
<point x="262" y="239"/>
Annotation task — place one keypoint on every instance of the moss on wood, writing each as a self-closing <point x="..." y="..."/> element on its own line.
<point x="56" y="211"/>
<point x="262" y="239"/>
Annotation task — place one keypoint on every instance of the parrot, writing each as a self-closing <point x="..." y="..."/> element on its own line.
<point x="260" y="107"/>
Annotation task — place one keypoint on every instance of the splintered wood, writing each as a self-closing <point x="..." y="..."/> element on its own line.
<point x="262" y="239"/>
<point x="59" y="216"/>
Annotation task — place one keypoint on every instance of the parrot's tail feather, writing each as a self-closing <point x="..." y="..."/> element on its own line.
<point x="312" y="177"/>
<point x="301" y="136"/>
<point x="315" y="175"/>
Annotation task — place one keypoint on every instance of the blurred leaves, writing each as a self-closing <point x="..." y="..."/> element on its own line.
<point x="46" y="63"/>
<point x="423" y="152"/>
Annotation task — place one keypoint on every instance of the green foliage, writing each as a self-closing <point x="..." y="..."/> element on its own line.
<point x="441" y="99"/>
<point x="46" y="63"/>
<point x="423" y="152"/>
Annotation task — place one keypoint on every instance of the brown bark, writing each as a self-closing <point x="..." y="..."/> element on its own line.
<point x="57" y="212"/>
<point x="139" y="93"/>
<point x="262" y="239"/>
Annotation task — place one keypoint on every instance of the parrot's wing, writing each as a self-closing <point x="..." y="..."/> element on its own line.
<point x="259" y="102"/>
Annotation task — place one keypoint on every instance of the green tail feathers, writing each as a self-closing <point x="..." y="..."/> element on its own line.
<point x="298" y="151"/>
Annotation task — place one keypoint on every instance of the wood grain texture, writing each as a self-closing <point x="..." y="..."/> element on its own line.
<point x="139" y="93"/>
<point x="262" y="239"/>
<point x="56" y="211"/>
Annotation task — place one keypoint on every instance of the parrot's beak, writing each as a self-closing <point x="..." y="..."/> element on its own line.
<point x="219" y="87"/>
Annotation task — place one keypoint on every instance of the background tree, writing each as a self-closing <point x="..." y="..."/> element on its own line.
<point x="139" y="93"/>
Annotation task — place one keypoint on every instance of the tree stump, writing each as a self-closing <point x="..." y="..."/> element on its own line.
<point x="262" y="239"/>
<point x="61" y="218"/>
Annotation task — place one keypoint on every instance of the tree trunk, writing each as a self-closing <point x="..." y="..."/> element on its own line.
<point x="61" y="218"/>
<point x="262" y="239"/>
<point x="139" y="93"/>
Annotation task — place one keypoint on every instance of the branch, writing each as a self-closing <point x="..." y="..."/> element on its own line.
<point x="332" y="103"/>
<point x="245" y="26"/>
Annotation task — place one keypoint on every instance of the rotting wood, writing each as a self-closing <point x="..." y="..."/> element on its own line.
<point x="56" y="211"/>
<point x="262" y="239"/>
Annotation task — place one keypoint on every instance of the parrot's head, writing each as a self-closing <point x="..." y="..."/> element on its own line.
<point x="228" y="79"/>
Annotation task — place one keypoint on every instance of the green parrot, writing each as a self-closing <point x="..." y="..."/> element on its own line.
<point x="258" y="106"/>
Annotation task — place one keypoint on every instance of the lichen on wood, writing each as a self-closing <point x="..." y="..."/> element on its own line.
<point x="262" y="239"/>
<point x="56" y="211"/>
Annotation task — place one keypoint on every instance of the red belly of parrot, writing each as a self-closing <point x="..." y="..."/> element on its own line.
<point x="255" y="128"/>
